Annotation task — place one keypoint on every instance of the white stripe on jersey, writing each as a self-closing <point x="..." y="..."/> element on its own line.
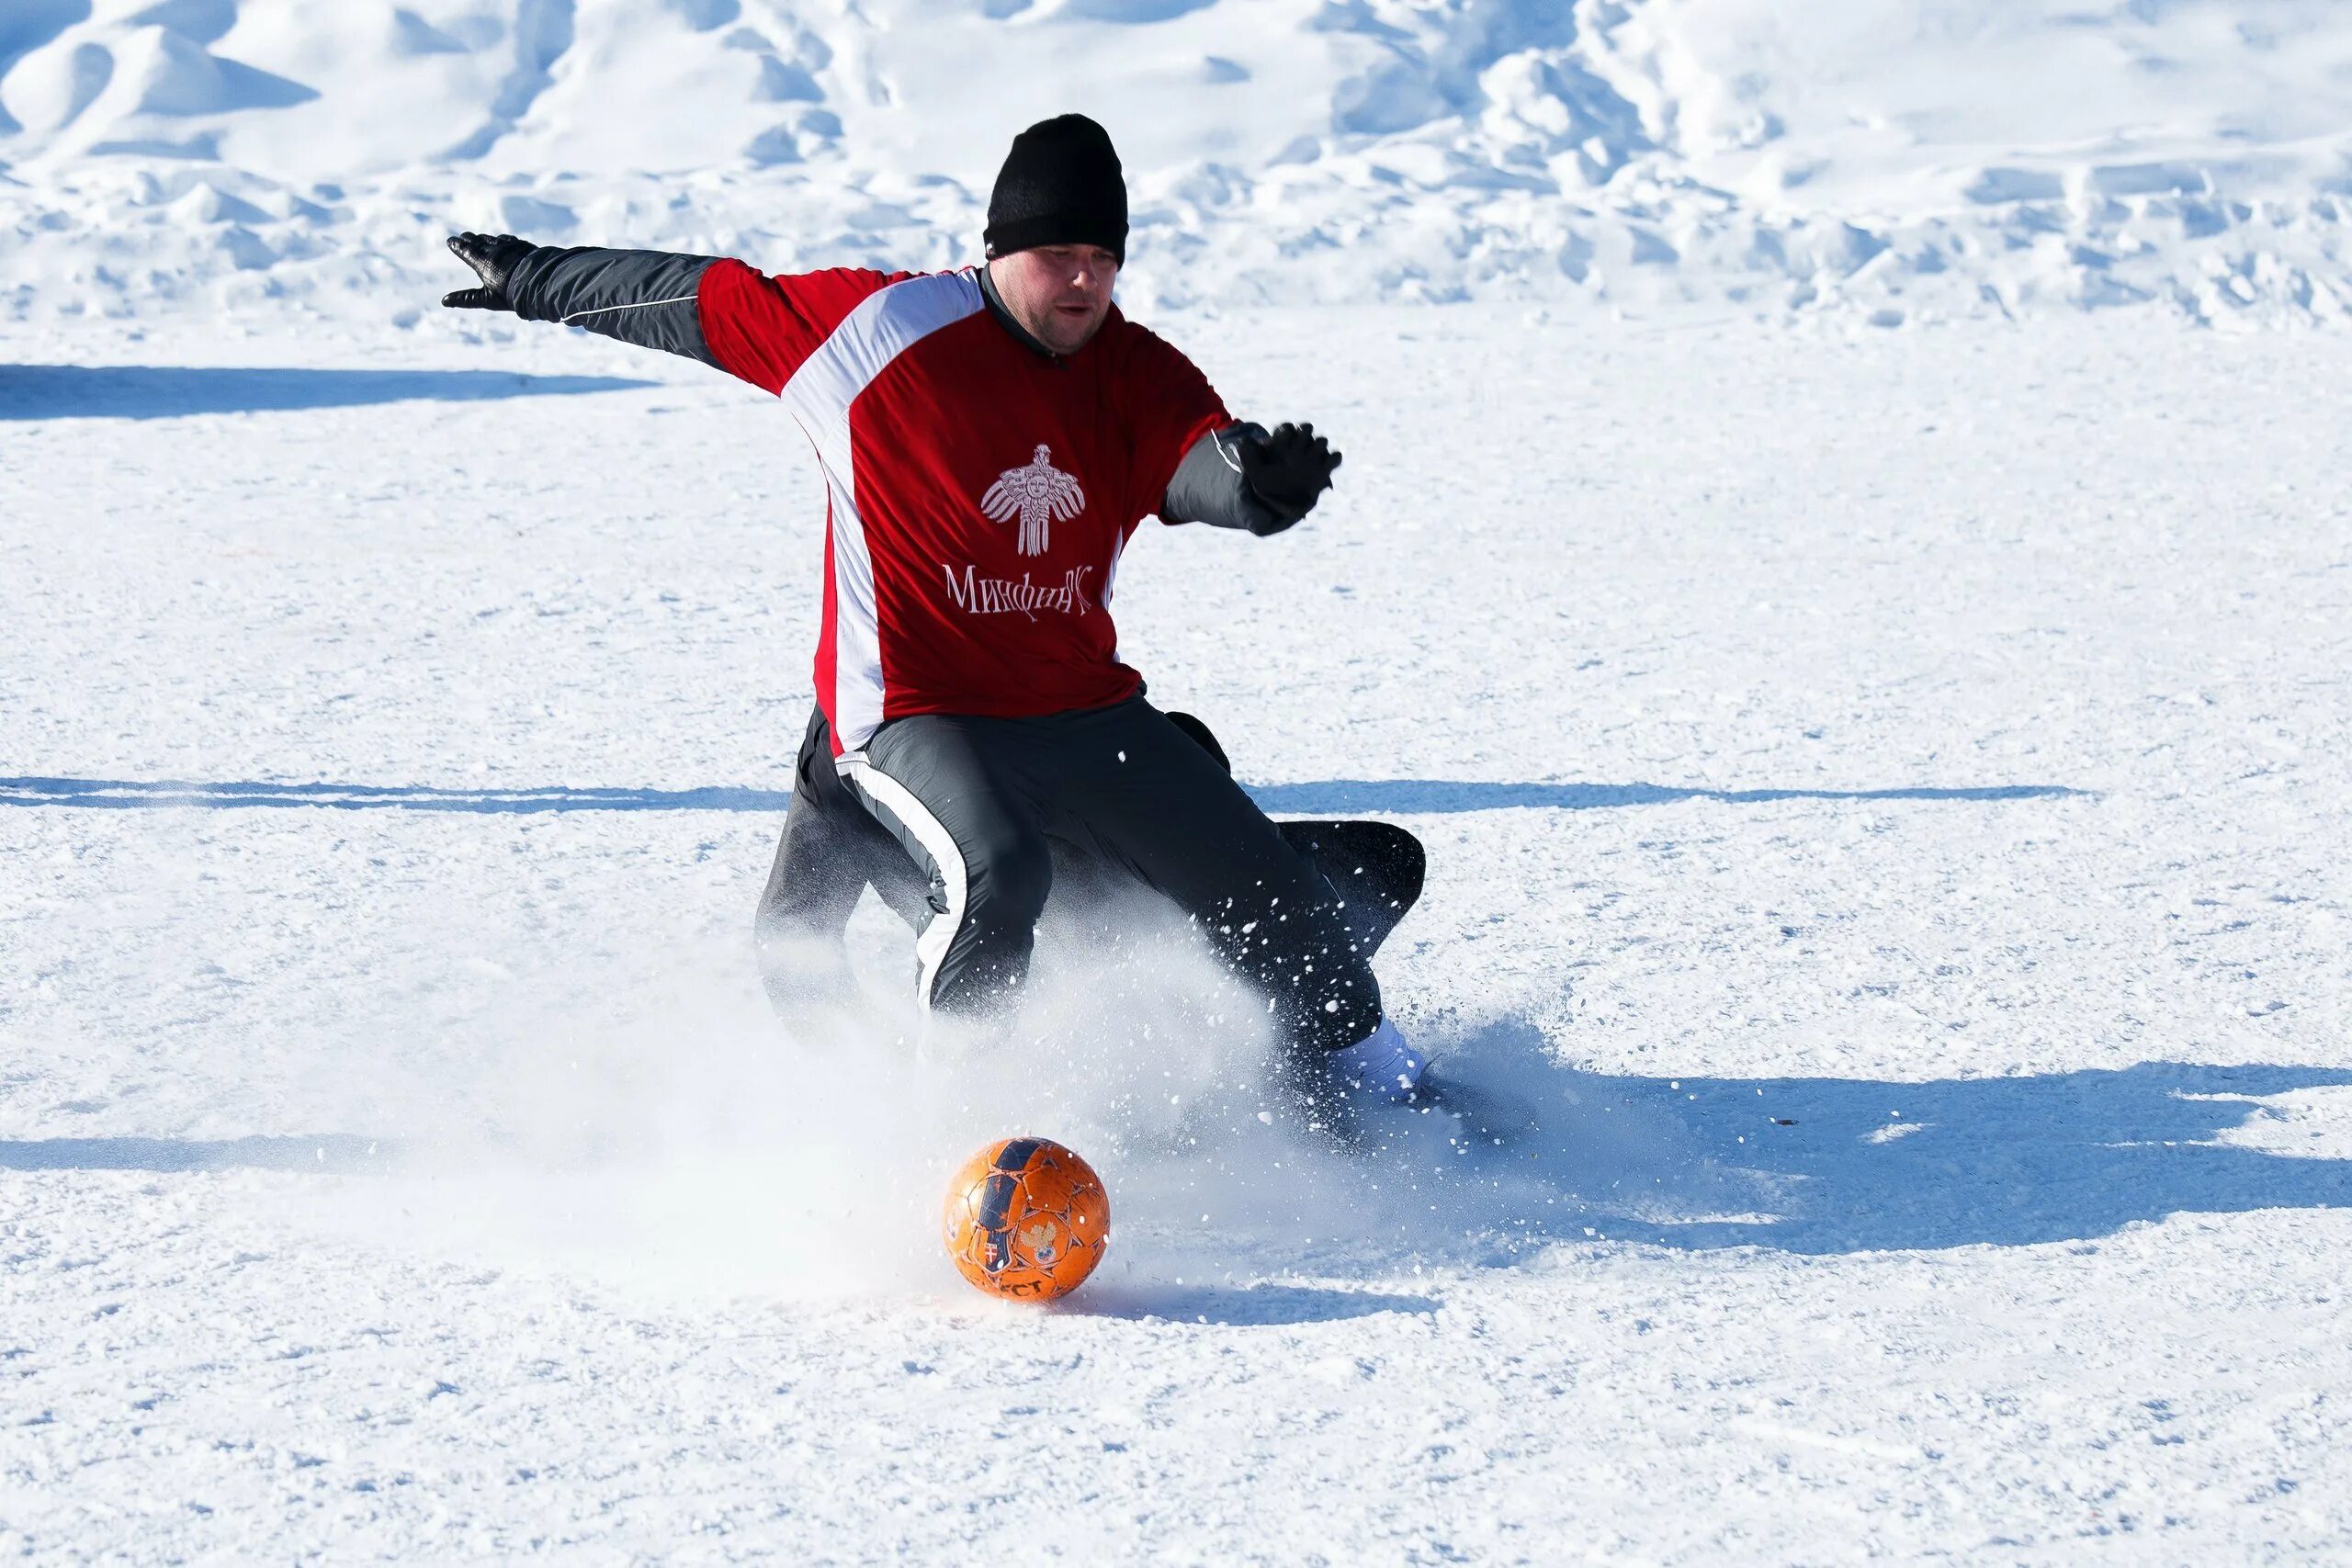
<point x="885" y="324"/>
<point x="1111" y="579"/>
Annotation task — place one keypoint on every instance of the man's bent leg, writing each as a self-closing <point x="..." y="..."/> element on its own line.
<point x="1153" y="798"/>
<point x="955" y="794"/>
<point x="1377" y="869"/>
<point x="829" y="851"/>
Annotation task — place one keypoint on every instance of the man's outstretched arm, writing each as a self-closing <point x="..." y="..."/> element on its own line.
<point x="1245" y="477"/>
<point x="647" y="298"/>
<point x="709" y="308"/>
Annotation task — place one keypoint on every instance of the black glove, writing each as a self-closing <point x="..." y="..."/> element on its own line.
<point x="492" y="258"/>
<point x="1288" y="470"/>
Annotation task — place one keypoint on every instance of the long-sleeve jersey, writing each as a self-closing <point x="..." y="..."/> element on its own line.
<point x="979" y="491"/>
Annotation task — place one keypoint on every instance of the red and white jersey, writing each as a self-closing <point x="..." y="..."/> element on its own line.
<point x="978" y="492"/>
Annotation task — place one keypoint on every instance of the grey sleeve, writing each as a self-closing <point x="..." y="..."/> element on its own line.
<point x="1208" y="486"/>
<point x="645" y="298"/>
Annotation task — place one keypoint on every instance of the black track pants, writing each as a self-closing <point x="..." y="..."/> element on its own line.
<point x="978" y="806"/>
<point x="832" y="850"/>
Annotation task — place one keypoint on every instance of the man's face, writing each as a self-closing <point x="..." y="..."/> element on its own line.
<point x="1059" y="293"/>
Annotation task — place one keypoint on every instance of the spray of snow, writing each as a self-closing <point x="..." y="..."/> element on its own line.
<point x="694" y="1142"/>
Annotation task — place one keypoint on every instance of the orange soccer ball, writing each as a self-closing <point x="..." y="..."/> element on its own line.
<point x="1027" y="1218"/>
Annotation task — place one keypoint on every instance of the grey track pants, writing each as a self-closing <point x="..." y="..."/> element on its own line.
<point x="977" y="805"/>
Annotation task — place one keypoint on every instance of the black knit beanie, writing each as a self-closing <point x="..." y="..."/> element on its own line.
<point x="1061" y="184"/>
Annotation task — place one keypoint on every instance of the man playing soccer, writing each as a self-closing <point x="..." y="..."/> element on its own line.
<point x="990" y="439"/>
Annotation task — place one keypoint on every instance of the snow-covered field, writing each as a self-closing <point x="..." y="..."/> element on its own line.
<point x="1899" y="162"/>
<point x="1886" y="794"/>
<point x="1880" y="719"/>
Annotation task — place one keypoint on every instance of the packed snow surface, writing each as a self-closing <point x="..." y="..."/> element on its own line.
<point x="1892" y="162"/>
<point x="1885" y="795"/>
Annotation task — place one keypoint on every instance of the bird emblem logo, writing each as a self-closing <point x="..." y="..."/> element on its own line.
<point x="1039" y="496"/>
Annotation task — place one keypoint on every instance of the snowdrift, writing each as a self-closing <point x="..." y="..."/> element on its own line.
<point x="1894" y="160"/>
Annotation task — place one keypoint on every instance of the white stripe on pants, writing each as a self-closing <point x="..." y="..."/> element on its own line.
<point x="931" y="947"/>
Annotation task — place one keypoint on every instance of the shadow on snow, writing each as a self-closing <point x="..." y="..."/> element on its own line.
<point x="160" y="391"/>
<point x="1237" y="1306"/>
<point x="122" y="794"/>
<point x="334" y="1154"/>
<point x="1412" y="796"/>
<point x="1332" y="798"/>
<point x="1855" y="1165"/>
